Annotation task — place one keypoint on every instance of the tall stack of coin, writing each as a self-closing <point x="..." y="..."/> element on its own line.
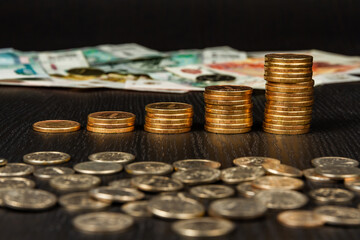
<point x="289" y="93"/>
<point x="111" y="122"/>
<point x="168" y="117"/>
<point x="228" y="109"/>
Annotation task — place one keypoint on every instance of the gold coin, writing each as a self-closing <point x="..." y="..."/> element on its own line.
<point x="285" y="127"/>
<point x="225" y="97"/>
<point x="282" y="170"/>
<point x="286" y="132"/>
<point x="291" y="104"/>
<point x="288" y="65"/>
<point x="288" y="109"/>
<point x="170" y="116"/>
<point x="300" y="85"/>
<point x="287" y="117"/>
<point x="110" y="126"/>
<point x="85" y="73"/>
<point x="292" y="88"/>
<point x="277" y="182"/>
<point x="166" y="131"/>
<point x="229" y="121"/>
<point x="3" y="162"/>
<point x="228" y="102"/>
<point x="56" y="126"/>
<point x="297" y="80"/>
<point x="289" y="99"/>
<point x="110" y="130"/>
<point x="186" y="164"/>
<point x="300" y="219"/>
<point x="168" y="126"/>
<point x="229" y="126"/>
<point x="311" y="175"/>
<point x="169" y="108"/>
<point x="288" y="113"/>
<point x="230" y="108"/>
<point x="228" y="112"/>
<point x="296" y="94"/>
<point x="285" y="122"/>
<point x="276" y="69"/>
<point x="229" y="90"/>
<point x="187" y="121"/>
<point x="353" y="184"/>
<point x="270" y="74"/>
<point x="227" y="131"/>
<point x="288" y="58"/>
<point x="337" y="215"/>
<point x="228" y="116"/>
<point x="111" y="117"/>
<point x="246" y="189"/>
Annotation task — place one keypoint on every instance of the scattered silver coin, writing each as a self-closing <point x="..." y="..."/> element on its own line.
<point x="281" y="199"/>
<point x="353" y="184"/>
<point x="254" y="161"/>
<point x="46" y="158"/>
<point x="278" y="182"/>
<point x="311" y="175"/>
<point x="197" y="175"/>
<point x="98" y="168"/>
<point x="148" y="168"/>
<point x="16" y="170"/>
<point x="247" y="190"/>
<point x="195" y="163"/>
<point x="334" y="162"/>
<point x="237" y="208"/>
<point x="203" y="227"/>
<point x="103" y="222"/>
<point x="16" y="182"/>
<point x="331" y="195"/>
<point x="212" y="191"/>
<point x="74" y="182"/>
<point x="81" y="201"/>
<point x="122" y="183"/>
<point x="153" y="183"/>
<point x="282" y="170"/>
<point x="137" y="209"/>
<point x="337" y="215"/>
<point x="50" y="172"/>
<point x="338" y="173"/>
<point x="239" y="174"/>
<point x="116" y="157"/>
<point x="112" y="194"/>
<point x="29" y="199"/>
<point x="3" y="192"/>
<point x="3" y="162"/>
<point x="175" y="207"/>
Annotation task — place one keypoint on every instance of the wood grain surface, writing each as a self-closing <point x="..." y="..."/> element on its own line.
<point x="335" y="132"/>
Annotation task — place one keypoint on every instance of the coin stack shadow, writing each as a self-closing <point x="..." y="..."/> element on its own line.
<point x="111" y="122"/>
<point x="289" y="93"/>
<point x="168" y="117"/>
<point x="228" y="109"/>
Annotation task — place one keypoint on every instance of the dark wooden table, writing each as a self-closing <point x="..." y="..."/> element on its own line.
<point x="335" y="132"/>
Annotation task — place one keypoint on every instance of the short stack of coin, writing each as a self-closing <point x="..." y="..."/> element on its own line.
<point x="228" y="109"/>
<point x="111" y="122"/>
<point x="289" y="93"/>
<point x="168" y="117"/>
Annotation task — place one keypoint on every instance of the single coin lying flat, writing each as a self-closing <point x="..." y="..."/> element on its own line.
<point x="186" y="164"/>
<point x="197" y="175"/>
<point x="115" y="157"/>
<point x="81" y="201"/>
<point x="50" y="172"/>
<point x="254" y="161"/>
<point x="16" y="170"/>
<point x="331" y="195"/>
<point x="247" y="190"/>
<point x="282" y="170"/>
<point x="278" y="182"/>
<point x="137" y="209"/>
<point x="56" y="126"/>
<point x="16" y="182"/>
<point x="212" y="191"/>
<point x="46" y="158"/>
<point x="152" y="183"/>
<point x="98" y="168"/>
<point x="239" y="174"/>
<point x="3" y="162"/>
<point x="300" y="219"/>
<point x="152" y="168"/>
<point x="112" y="194"/>
<point x="29" y="199"/>
<point x="338" y="173"/>
<point x="334" y="162"/>
<point x="311" y="175"/>
<point x="122" y="183"/>
<point x="281" y="199"/>
<point x="337" y="215"/>
<point x="74" y="182"/>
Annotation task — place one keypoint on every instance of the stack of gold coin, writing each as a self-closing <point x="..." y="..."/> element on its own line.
<point x="228" y="109"/>
<point x="111" y="122"/>
<point x="289" y="93"/>
<point x="168" y="117"/>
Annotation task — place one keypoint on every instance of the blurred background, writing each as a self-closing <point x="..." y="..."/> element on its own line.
<point x="250" y="25"/>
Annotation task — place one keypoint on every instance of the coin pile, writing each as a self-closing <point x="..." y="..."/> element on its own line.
<point x="111" y="122"/>
<point x="289" y="93"/>
<point x="228" y="109"/>
<point x="168" y="117"/>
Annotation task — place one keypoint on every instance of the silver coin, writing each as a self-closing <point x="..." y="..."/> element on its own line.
<point x="152" y="183"/>
<point x="334" y="162"/>
<point x="197" y="175"/>
<point x="175" y="207"/>
<point x="282" y="170"/>
<point x="281" y="199"/>
<point x="254" y="161"/>
<point x="116" y="157"/>
<point x="122" y="183"/>
<point x="98" y="168"/>
<point x="16" y="182"/>
<point x="237" y="208"/>
<point x="195" y="163"/>
<point x="3" y="192"/>
<point x="16" y="170"/>
<point x="137" y="209"/>
<point x="81" y="201"/>
<point x="278" y="182"/>
<point x="3" y="162"/>
<point x="331" y="195"/>
<point x="212" y="191"/>
<point x="50" y="172"/>
<point x="337" y="215"/>
<point x="29" y="199"/>
<point x="203" y="227"/>
<point x="338" y="173"/>
<point x="107" y="193"/>
<point x="74" y="182"/>
<point x="46" y="158"/>
<point x="239" y="174"/>
<point x="353" y="184"/>
<point x="247" y="190"/>
<point x="311" y="175"/>
<point x="103" y="222"/>
<point x="148" y="168"/>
